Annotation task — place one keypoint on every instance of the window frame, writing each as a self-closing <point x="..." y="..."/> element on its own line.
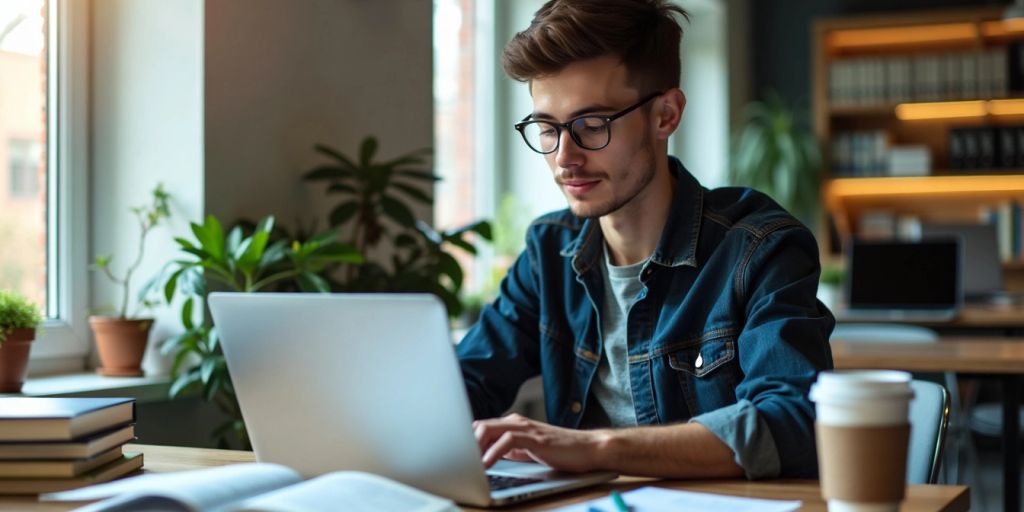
<point x="63" y="341"/>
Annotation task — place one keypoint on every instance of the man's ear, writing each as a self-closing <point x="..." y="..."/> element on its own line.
<point x="668" y="113"/>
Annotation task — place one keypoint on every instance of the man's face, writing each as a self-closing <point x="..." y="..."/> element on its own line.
<point x="597" y="183"/>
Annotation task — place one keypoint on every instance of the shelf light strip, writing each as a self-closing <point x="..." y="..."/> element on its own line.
<point x="959" y="109"/>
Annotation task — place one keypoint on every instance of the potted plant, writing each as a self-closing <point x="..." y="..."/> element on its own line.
<point x="121" y="338"/>
<point x="242" y="260"/>
<point x="775" y="154"/>
<point x="375" y="206"/>
<point x="18" y="321"/>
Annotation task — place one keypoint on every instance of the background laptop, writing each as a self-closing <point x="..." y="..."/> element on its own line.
<point x="365" y="382"/>
<point x="899" y="280"/>
<point x="981" y="272"/>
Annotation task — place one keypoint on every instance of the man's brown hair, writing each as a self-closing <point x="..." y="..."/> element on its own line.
<point x="643" y="34"/>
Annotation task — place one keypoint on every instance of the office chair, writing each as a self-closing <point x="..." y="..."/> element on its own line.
<point x="868" y="332"/>
<point x="929" y="418"/>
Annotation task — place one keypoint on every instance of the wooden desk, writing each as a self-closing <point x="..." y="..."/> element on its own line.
<point x="1002" y="317"/>
<point x="920" y="498"/>
<point x="1001" y="357"/>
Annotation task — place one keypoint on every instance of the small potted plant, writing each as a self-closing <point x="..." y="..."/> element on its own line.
<point x="121" y="339"/>
<point x="18" y="321"/>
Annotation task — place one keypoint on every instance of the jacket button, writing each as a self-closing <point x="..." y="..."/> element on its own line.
<point x="576" y="407"/>
<point x="699" y="362"/>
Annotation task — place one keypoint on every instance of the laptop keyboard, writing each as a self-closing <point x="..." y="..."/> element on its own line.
<point x="499" y="482"/>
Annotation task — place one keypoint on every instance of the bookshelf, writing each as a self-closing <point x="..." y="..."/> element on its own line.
<point x="920" y="116"/>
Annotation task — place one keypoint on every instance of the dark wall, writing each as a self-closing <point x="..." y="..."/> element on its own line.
<point x="781" y="38"/>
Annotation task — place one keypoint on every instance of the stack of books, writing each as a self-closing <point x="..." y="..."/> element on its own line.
<point x="55" y="444"/>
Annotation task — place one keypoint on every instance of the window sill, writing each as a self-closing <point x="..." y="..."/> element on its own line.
<point x="144" y="389"/>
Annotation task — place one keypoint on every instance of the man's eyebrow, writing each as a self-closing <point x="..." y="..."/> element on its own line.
<point x="591" y="109"/>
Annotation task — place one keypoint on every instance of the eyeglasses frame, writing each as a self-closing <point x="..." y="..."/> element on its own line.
<point x="521" y="125"/>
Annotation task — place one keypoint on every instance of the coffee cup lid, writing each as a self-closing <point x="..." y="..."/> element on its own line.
<point x="861" y="384"/>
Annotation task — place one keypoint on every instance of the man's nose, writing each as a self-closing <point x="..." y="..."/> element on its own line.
<point x="568" y="153"/>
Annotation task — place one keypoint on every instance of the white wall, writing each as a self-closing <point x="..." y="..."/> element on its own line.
<point x="147" y="127"/>
<point x="283" y="75"/>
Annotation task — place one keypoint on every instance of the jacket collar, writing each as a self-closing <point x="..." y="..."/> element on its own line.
<point x="678" y="243"/>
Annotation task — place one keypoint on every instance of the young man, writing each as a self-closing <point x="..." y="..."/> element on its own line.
<point x="676" y="327"/>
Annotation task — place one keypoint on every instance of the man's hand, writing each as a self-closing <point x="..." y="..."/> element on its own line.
<point x="516" y="437"/>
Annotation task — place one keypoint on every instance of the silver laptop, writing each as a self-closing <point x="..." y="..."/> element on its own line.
<point x="366" y="382"/>
<point x="893" y="280"/>
<point x="981" y="276"/>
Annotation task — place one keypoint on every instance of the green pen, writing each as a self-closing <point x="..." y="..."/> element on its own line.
<point x="620" y="504"/>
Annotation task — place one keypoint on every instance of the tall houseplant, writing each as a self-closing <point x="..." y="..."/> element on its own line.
<point x="776" y="154"/>
<point x="237" y="261"/>
<point x="121" y="339"/>
<point x="375" y="205"/>
<point x="18" y="321"/>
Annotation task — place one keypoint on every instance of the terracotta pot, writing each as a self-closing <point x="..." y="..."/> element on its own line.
<point x="14" y="359"/>
<point x="121" y="344"/>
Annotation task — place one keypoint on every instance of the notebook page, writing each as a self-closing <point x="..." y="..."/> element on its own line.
<point x="350" y="491"/>
<point x="202" y="489"/>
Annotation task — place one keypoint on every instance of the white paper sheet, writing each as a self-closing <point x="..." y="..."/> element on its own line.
<point x="655" y="499"/>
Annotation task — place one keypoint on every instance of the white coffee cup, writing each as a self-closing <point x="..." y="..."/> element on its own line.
<point x="862" y="431"/>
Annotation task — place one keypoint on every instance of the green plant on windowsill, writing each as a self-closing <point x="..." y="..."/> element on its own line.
<point x="121" y="339"/>
<point x="375" y="206"/>
<point x="19" y="319"/>
<point x="238" y="261"/>
<point x="775" y="154"/>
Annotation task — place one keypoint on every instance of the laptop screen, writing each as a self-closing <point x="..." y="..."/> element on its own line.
<point x="904" y="275"/>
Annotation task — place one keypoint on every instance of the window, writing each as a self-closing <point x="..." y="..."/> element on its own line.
<point x="23" y="70"/>
<point x="42" y="170"/>
<point x="26" y="168"/>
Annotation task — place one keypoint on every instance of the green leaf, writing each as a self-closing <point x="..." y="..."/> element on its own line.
<point x="171" y="344"/>
<point x="179" y="360"/>
<point x="172" y="284"/>
<point x="102" y="260"/>
<point x="310" y="282"/>
<point x="462" y="244"/>
<point x="345" y="161"/>
<point x="253" y="253"/>
<point x="343" y="212"/>
<point x="184" y="243"/>
<point x="186" y="314"/>
<point x="414" y="193"/>
<point x="397" y="211"/>
<point x="207" y="368"/>
<point x="449" y="266"/>
<point x="182" y="382"/>
<point x="367" y="150"/>
<point x="211" y="237"/>
<point x="234" y="239"/>
<point x="266" y="225"/>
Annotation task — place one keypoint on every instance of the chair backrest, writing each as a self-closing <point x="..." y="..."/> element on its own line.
<point x="929" y="417"/>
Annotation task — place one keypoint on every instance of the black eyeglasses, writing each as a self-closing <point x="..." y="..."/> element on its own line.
<point x="591" y="132"/>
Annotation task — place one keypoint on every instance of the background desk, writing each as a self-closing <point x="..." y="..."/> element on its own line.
<point x="1001" y="357"/>
<point x="1007" y="319"/>
<point x="920" y="498"/>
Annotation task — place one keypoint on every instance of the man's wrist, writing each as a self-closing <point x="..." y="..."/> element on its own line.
<point x="607" y="447"/>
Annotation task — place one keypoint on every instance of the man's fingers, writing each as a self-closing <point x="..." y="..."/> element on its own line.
<point x="488" y="431"/>
<point x="509" y="441"/>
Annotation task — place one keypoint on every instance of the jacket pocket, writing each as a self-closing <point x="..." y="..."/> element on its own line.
<point x="707" y="373"/>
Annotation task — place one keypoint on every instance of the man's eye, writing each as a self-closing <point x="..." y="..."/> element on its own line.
<point x="550" y="132"/>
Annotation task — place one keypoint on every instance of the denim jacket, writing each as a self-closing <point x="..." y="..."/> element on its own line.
<point x="726" y="330"/>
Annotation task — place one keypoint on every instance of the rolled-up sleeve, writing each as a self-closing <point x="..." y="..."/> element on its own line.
<point x="743" y="430"/>
<point x="782" y="347"/>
